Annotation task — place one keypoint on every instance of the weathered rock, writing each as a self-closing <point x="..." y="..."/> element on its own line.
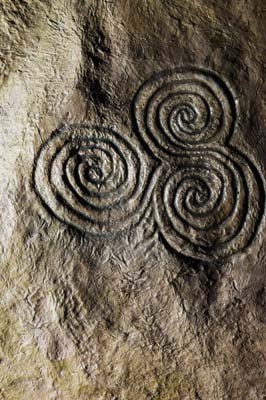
<point x="132" y="231"/>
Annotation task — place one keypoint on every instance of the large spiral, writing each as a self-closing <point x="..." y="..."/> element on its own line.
<point x="181" y="109"/>
<point x="210" y="204"/>
<point x="93" y="179"/>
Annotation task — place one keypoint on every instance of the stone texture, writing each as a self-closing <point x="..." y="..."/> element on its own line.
<point x="92" y="313"/>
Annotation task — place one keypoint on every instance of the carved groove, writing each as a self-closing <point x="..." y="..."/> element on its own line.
<point x="184" y="109"/>
<point x="209" y="205"/>
<point x="93" y="179"/>
<point x="208" y="198"/>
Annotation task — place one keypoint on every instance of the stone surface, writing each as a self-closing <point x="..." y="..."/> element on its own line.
<point x="132" y="233"/>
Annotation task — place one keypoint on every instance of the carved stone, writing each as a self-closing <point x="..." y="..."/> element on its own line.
<point x="133" y="200"/>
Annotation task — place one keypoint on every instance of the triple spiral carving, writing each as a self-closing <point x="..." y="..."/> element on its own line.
<point x="208" y="198"/>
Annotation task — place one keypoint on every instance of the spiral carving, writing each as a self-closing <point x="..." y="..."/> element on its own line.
<point x="93" y="179"/>
<point x="208" y="197"/>
<point x="209" y="205"/>
<point x="182" y="109"/>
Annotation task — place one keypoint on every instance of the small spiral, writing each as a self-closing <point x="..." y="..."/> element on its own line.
<point x="92" y="178"/>
<point x="181" y="109"/>
<point x="210" y="205"/>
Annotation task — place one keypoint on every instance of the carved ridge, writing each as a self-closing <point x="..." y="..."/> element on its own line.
<point x="208" y="198"/>
<point x="93" y="179"/>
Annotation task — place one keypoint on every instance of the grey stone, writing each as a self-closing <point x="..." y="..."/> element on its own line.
<point x="132" y="200"/>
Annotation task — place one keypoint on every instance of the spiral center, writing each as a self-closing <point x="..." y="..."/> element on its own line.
<point x="186" y="115"/>
<point x="95" y="166"/>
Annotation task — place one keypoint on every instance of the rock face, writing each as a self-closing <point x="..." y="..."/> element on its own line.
<point x="132" y="233"/>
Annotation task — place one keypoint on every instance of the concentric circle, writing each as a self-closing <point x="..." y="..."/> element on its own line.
<point x="93" y="178"/>
<point x="209" y="206"/>
<point x="183" y="109"/>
